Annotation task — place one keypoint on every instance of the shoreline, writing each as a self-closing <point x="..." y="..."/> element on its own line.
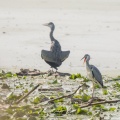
<point x="108" y="73"/>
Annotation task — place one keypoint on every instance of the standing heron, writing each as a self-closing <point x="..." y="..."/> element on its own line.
<point x="93" y="73"/>
<point x="55" y="56"/>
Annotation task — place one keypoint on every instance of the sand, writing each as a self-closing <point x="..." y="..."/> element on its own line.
<point x="82" y="26"/>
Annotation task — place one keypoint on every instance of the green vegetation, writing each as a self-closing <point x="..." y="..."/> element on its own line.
<point x="79" y="76"/>
<point x="59" y="110"/>
<point x="84" y="97"/>
<point x="35" y="106"/>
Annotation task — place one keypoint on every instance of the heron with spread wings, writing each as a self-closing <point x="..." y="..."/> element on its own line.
<point x="55" y="56"/>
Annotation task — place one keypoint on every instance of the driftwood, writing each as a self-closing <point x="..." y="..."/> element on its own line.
<point x="101" y="102"/>
<point x="35" y="72"/>
<point x="66" y="96"/>
<point x="28" y="93"/>
<point x="27" y="72"/>
<point x="50" y="89"/>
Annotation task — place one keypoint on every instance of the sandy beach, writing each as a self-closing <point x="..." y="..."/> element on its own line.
<point x="89" y="26"/>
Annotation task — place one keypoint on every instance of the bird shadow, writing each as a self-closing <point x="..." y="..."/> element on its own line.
<point x="63" y="74"/>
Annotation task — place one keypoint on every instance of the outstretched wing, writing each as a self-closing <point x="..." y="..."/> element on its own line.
<point x="97" y="75"/>
<point x="47" y="56"/>
<point x="64" y="55"/>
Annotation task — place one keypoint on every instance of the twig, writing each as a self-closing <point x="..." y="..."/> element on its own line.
<point x="115" y="79"/>
<point x="102" y="102"/>
<point x="78" y="100"/>
<point x="50" y="89"/>
<point x="66" y="95"/>
<point x="27" y="94"/>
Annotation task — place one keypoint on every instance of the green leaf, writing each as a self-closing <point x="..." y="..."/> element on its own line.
<point x="85" y="97"/>
<point x="78" y="96"/>
<point x="13" y="97"/>
<point x="26" y="91"/>
<point x="15" y="75"/>
<point x="76" y="106"/>
<point x="105" y="92"/>
<point x="112" y="109"/>
<point x="59" y="100"/>
<point x="60" y="110"/>
<point x="55" y="82"/>
<point x="9" y="74"/>
<point x="24" y="77"/>
<point x="78" y="75"/>
<point x="97" y="107"/>
<point x="31" y="85"/>
<point x="117" y="86"/>
<point x="73" y="76"/>
<point x="78" y="110"/>
<point x="36" y="100"/>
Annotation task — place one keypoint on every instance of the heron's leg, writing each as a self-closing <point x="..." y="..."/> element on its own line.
<point x="52" y="69"/>
<point x="93" y="90"/>
<point x="91" y="100"/>
<point x="56" y="70"/>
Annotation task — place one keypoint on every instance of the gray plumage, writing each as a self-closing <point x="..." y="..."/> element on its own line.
<point x="93" y="73"/>
<point x="55" y="56"/>
<point x="96" y="75"/>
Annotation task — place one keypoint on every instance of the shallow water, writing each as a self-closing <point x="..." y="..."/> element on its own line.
<point x="19" y="84"/>
<point x="81" y="27"/>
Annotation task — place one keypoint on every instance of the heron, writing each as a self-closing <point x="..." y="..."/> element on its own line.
<point x="55" y="56"/>
<point x="93" y="73"/>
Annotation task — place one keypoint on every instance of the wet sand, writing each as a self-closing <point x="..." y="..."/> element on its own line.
<point x="91" y="27"/>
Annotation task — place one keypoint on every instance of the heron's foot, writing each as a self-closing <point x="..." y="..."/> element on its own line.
<point x="56" y="73"/>
<point x="50" y="72"/>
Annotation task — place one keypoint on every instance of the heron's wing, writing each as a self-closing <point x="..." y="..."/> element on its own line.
<point x="47" y="56"/>
<point x="64" y="55"/>
<point x="97" y="75"/>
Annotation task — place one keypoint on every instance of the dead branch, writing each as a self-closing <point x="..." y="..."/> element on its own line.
<point x="102" y="102"/>
<point x="28" y="93"/>
<point x="27" y="72"/>
<point x="50" y="89"/>
<point x="66" y="96"/>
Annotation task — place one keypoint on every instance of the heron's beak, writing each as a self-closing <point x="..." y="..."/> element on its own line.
<point x="46" y="24"/>
<point x="84" y="59"/>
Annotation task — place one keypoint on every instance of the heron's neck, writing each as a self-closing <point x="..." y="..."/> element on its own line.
<point x="87" y="65"/>
<point x="51" y="35"/>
